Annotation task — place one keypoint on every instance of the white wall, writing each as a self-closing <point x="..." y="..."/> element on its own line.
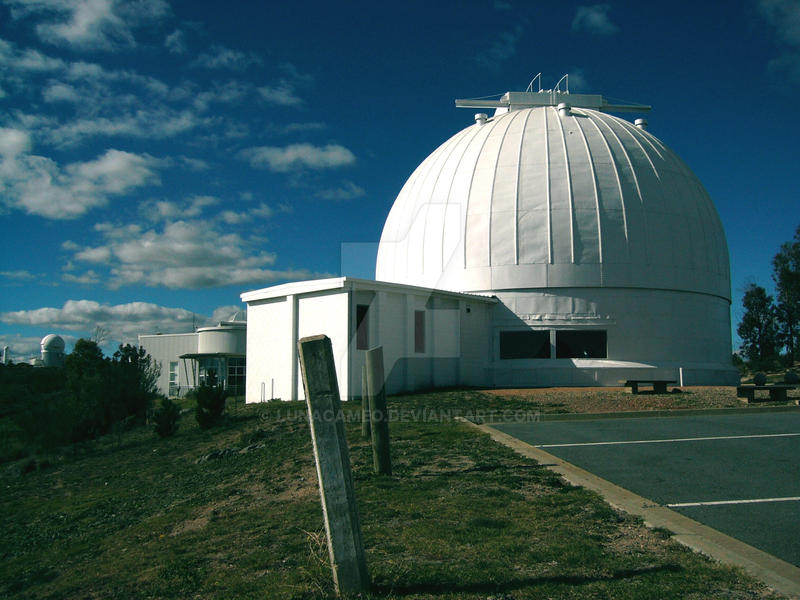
<point x="269" y="349"/>
<point x="327" y="313"/>
<point x="166" y="348"/>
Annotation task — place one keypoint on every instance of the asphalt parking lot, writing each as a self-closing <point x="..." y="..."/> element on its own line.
<point x="737" y="473"/>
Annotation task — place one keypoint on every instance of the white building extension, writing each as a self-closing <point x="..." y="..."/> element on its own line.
<point x="603" y="252"/>
<point x="430" y="338"/>
<point x="187" y="359"/>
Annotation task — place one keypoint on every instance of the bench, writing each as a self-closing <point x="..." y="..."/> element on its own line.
<point x="659" y="385"/>
<point x="777" y="392"/>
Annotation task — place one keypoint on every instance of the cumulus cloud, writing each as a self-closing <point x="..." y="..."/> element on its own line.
<point x="783" y="16"/>
<point x="284" y="91"/>
<point x="502" y="49"/>
<point x="347" y="191"/>
<point x="594" y="19"/>
<point x="181" y="255"/>
<point x="175" y="42"/>
<point x="122" y="321"/>
<point x="90" y="24"/>
<point x="40" y="186"/>
<point x="220" y="57"/>
<point x="18" y="275"/>
<point x="298" y="156"/>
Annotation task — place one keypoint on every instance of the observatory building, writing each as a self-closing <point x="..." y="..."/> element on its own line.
<point x="52" y="351"/>
<point x="187" y="359"/>
<point x="549" y="244"/>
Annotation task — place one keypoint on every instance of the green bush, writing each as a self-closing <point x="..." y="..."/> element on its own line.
<point x="210" y="403"/>
<point x="791" y="378"/>
<point x="760" y="378"/>
<point x="166" y="417"/>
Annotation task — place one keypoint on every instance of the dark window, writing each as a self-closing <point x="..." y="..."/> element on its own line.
<point x="362" y="327"/>
<point x="419" y="331"/>
<point x="524" y="344"/>
<point x="236" y="375"/>
<point x="581" y="344"/>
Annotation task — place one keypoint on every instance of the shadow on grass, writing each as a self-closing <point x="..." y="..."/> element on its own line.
<point x="517" y="584"/>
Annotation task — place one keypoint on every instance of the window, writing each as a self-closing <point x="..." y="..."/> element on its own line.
<point x="524" y="344"/>
<point x="362" y="327"/>
<point x="173" y="378"/>
<point x="236" y="375"/>
<point x="581" y="344"/>
<point x="419" y="331"/>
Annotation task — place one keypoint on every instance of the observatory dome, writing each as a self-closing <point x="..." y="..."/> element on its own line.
<point x="52" y="350"/>
<point x="52" y="343"/>
<point x="552" y="197"/>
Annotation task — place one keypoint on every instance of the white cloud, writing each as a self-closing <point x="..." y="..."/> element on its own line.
<point x="157" y="123"/>
<point x="19" y="275"/>
<point x="90" y="24"/>
<point x="347" y="191"/>
<point x="123" y="321"/>
<point x="784" y="17"/>
<point x="594" y="19"/>
<point x="503" y="48"/>
<point x="60" y="92"/>
<point x="182" y="255"/>
<point x="194" y="164"/>
<point x="175" y="42"/>
<point x="298" y="156"/>
<point x="40" y="186"/>
<point x="220" y="57"/>
<point x="281" y="94"/>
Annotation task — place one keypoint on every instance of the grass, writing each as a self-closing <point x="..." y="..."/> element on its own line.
<point x="234" y="512"/>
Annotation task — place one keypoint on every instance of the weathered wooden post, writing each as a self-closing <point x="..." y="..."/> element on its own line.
<point x="365" y="429"/>
<point x="379" y="415"/>
<point x="345" y="546"/>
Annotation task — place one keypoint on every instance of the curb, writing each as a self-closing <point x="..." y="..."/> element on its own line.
<point x="658" y="413"/>
<point x="776" y="573"/>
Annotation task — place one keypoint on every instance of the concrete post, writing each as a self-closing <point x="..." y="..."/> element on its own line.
<point x="365" y="428"/>
<point x="339" y="509"/>
<point x="379" y="415"/>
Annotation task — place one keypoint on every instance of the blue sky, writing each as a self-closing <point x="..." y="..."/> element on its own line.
<point x="158" y="158"/>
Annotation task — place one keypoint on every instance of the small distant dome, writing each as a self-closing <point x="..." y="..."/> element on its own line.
<point x="52" y="351"/>
<point x="53" y="343"/>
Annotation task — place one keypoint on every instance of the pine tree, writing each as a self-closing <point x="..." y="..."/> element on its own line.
<point x="786" y="273"/>
<point x="758" y="327"/>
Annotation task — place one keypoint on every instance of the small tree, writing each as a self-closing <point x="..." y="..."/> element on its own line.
<point x="210" y="402"/>
<point x="135" y="381"/>
<point x="165" y="418"/>
<point x="786" y="274"/>
<point x="758" y="328"/>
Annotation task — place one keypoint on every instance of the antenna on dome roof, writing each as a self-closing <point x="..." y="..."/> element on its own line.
<point x="530" y="85"/>
<point x="557" y="89"/>
<point x="511" y="101"/>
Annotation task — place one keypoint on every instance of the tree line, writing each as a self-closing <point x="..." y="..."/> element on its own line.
<point x="770" y="327"/>
<point x="90" y="396"/>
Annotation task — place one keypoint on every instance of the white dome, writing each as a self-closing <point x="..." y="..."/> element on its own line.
<point x="536" y="199"/>
<point x="52" y="343"/>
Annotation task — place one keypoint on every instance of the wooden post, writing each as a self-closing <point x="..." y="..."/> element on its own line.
<point x="339" y="509"/>
<point x="379" y="415"/>
<point x="365" y="429"/>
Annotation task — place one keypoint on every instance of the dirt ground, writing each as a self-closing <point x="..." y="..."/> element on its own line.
<point x="606" y="399"/>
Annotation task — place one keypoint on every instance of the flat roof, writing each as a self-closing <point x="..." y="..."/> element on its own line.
<point x="352" y="283"/>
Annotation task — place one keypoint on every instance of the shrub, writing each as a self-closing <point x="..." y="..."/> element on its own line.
<point x="210" y="403"/>
<point x="791" y="378"/>
<point x="760" y="378"/>
<point x="165" y="418"/>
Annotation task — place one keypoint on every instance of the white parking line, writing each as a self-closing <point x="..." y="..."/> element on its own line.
<point x="669" y="441"/>
<point x="723" y="502"/>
